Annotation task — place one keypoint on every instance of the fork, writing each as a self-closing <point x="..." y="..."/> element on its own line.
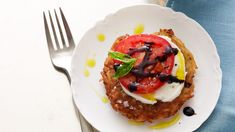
<point x="61" y="55"/>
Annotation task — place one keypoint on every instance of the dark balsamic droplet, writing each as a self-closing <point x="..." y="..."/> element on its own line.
<point x="172" y="79"/>
<point x="115" y="66"/>
<point x="168" y="50"/>
<point x="188" y="111"/>
<point x="132" y="87"/>
<point x="175" y="51"/>
<point x="163" y="77"/>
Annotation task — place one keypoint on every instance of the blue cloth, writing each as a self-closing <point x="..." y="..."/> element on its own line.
<point x="218" y="18"/>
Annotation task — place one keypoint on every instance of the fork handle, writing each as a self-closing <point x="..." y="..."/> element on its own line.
<point x="64" y="71"/>
<point x="85" y="126"/>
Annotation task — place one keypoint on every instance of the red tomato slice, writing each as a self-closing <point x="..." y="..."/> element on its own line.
<point x="148" y="84"/>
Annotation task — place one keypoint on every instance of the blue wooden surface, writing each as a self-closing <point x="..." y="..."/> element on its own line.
<point x="218" y="18"/>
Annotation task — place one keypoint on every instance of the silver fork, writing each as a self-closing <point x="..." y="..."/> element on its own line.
<point x="61" y="56"/>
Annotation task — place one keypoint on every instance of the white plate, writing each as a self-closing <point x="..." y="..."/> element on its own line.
<point x="86" y="90"/>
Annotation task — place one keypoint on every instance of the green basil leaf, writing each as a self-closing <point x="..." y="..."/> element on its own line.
<point x="121" y="57"/>
<point x="124" y="69"/>
<point x="126" y="66"/>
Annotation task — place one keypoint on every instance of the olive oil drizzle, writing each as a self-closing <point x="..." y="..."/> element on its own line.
<point x="166" y="124"/>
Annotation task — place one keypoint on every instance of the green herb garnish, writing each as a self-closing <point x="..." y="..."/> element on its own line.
<point x="121" y="57"/>
<point x="126" y="66"/>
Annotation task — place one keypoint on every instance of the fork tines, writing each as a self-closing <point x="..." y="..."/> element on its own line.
<point x="57" y="45"/>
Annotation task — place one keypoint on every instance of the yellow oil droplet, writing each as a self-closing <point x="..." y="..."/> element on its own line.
<point x="139" y="29"/>
<point x="101" y="37"/>
<point x="86" y="73"/>
<point x="149" y="97"/>
<point x="166" y="124"/>
<point x="136" y="123"/>
<point x="180" y="71"/>
<point x="105" y="99"/>
<point x="90" y="62"/>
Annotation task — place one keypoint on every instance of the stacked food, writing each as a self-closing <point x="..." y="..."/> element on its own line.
<point x="149" y="76"/>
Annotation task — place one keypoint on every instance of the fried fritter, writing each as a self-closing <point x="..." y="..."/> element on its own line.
<point x="138" y="111"/>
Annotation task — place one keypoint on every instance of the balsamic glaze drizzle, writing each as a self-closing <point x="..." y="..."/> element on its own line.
<point x="146" y="48"/>
<point x="162" y="77"/>
<point x="170" y="50"/>
<point x="172" y="79"/>
<point x="139" y="71"/>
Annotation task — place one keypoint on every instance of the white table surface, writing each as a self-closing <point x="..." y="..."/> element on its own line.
<point x="33" y="96"/>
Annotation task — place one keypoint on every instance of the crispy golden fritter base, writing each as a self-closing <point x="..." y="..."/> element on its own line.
<point x="136" y="110"/>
